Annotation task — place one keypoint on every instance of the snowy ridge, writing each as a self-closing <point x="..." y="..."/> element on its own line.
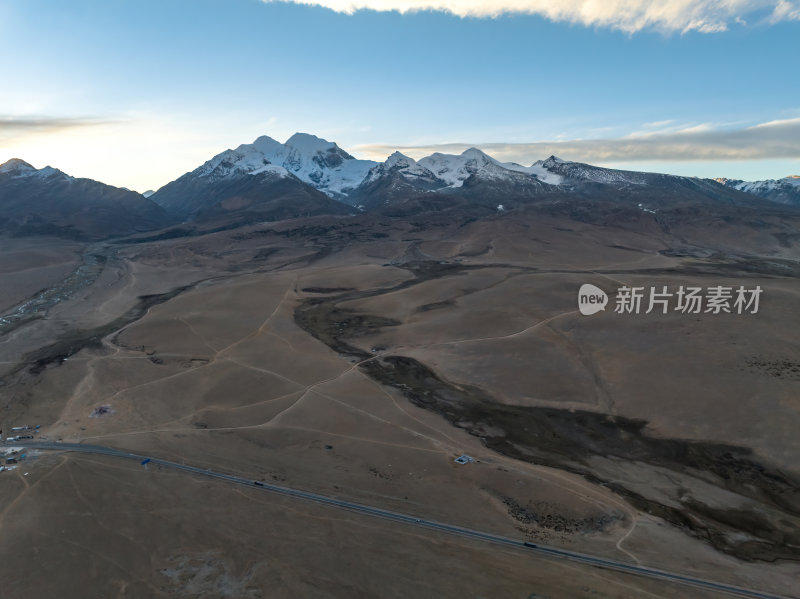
<point x="19" y="168"/>
<point x="244" y="160"/>
<point x="316" y="161"/>
<point x="758" y="187"/>
<point x="454" y="169"/>
<point x="783" y="191"/>
<point x="325" y="166"/>
<point x="537" y="170"/>
<point x="577" y="171"/>
<point x="405" y="166"/>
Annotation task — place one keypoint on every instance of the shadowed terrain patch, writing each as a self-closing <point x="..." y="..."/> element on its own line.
<point x="766" y="527"/>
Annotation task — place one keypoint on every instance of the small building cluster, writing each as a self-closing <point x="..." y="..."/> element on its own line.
<point x="10" y="457"/>
<point x="23" y="433"/>
<point x="464" y="459"/>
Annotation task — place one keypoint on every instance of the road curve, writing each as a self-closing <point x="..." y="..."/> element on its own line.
<point x="412" y="520"/>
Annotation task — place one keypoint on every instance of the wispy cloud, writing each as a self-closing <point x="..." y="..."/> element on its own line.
<point x="706" y="16"/>
<point x="786" y="10"/>
<point x="658" y="124"/>
<point x="772" y="140"/>
<point x="13" y="129"/>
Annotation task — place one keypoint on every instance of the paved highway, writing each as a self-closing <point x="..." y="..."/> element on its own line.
<point x="408" y="519"/>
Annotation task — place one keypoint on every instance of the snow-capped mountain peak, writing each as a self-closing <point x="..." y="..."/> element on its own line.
<point x="311" y="144"/>
<point x="784" y="191"/>
<point x="761" y="186"/>
<point x="19" y="168"/>
<point x="455" y="169"/>
<point x="330" y="169"/>
<point x="244" y="160"/>
<point x="451" y="168"/>
<point x="478" y="155"/>
<point x="406" y="166"/>
<point x="16" y="166"/>
<point x="400" y="160"/>
<point x="266" y="145"/>
<point x="322" y="163"/>
<point x="314" y="160"/>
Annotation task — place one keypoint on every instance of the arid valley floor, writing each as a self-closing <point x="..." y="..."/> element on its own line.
<point x="356" y="357"/>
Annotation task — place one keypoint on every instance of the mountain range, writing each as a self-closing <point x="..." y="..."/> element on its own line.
<point x="307" y="176"/>
<point x="783" y="191"/>
<point x="49" y="202"/>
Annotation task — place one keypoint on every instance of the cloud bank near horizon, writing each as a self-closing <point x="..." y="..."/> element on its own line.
<point x="706" y="16"/>
<point x="13" y="129"/>
<point x="765" y="141"/>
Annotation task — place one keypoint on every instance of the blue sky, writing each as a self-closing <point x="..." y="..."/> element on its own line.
<point x="137" y="93"/>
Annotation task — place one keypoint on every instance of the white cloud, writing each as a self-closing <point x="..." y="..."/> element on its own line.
<point x="779" y="123"/>
<point x="14" y="128"/>
<point x="766" y="141"/>
<point x="786" y="10"/>
<point x="658" y="124"/>
<point x="705" y="16"/>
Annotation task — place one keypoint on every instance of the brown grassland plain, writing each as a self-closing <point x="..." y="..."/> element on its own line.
<point x="357" y="358"/>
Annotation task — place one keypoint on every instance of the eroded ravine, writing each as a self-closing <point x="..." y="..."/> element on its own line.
<point x="94" y="259"/>
<point x="766" y="527"/>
